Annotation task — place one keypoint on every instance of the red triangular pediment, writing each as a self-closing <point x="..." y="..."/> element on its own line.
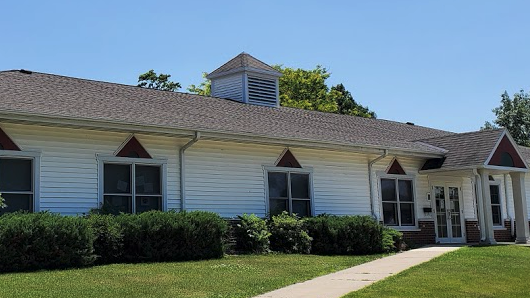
<point x="288" y="160"/>
<point x="506" y="155"/>
<point x="395" y="168"/>
<point x="6" y="143"/>
<point x="133" y="149"/>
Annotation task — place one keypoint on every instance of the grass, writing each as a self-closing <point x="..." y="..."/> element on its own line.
<point x="493" y="271"/>
<point x="230" y="277"/>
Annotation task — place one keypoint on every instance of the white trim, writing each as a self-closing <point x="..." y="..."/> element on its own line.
<point x="412" y="177"/>
<point x="35" y="157"/>
<point x="514" y="145"/>
<point x="501" y="200"/>
<point x="304" y="170"/>
<point x="446" y="184"/>
<point x="124" y="143"/>
<point x="501" y="168"/>
<point x="162" y="162"/>
<point x="127" y="127"/>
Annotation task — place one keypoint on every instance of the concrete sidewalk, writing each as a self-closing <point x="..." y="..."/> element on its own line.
<point x="340" y="283"/>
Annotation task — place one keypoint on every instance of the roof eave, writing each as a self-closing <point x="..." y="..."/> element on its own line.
<point x="189" y="132"/>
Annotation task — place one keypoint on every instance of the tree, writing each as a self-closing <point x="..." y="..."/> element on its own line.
<point x="347" y="105"/>
<point x="204" y="88"/>
<point x="307" y="89"/>
<point x="151" y="80"/>
<point x="514" y="115"/>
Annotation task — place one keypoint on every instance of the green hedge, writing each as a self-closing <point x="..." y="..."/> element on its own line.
<point x="289" y="234"/>
<point x="108" y="242"/>
<point x="32" y="241"/>
<point x="252" y="234"/>
<point x="348" y="235"/>
<point x="171" y="236"/>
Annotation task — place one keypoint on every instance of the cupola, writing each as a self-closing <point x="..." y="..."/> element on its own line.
<point x="248" y="80"/>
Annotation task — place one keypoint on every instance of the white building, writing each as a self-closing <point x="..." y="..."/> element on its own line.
<point x="69" y="145"/>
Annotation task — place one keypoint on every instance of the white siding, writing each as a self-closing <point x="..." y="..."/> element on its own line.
<point x="228" y="87"/>
<point x="69" y="168"/>
<point x="229" y="178"/>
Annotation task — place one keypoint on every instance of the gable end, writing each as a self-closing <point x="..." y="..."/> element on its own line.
<point x="506" y="155"/>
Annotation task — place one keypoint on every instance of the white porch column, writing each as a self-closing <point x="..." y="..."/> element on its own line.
<point x="519" y="202"/>
<point x="487" y="225"/>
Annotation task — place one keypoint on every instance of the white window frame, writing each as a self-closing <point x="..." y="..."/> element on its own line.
<point x="35" y="157"/>
<point x="288" y="171"/>
<point x="162" y="163"/>
<point x="498" y="184"/>
<point x="412" y="178"/>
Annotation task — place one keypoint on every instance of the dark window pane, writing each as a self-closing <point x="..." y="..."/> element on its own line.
<point x="117" y="204"/>
<point x="16" y="174"/>
<point x="148" y="180"/>
<point x="390" y="216"/>
<point x="301" y="208"/>
<point x="506" y="159"/>
<point x="278" y="185"/>
<point x="148" y="203"/>
<point x="405" y="191"/>
<point x="299" y="186"/>
<point x="277" y="206"/>
<point x="494" y="193"/>
<point x="388" y="189"/>
<point x="17" y="202"/>
<point x="407" y="214"/>
<point x="496" y="214"/>
<point x="117" y="178"/>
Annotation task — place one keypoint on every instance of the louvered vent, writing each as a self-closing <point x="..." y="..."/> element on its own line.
<point x="262" y="91"/>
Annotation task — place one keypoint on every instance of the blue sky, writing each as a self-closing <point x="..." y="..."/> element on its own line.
<point x="441" y="64"/>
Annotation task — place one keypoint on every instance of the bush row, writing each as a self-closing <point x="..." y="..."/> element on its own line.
<point x="32" y="241"/>
<point x="324" y="234"/>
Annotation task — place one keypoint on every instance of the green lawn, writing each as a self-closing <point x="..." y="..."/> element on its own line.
<point x="494" y="271"/>
<point x="233" y="276"/>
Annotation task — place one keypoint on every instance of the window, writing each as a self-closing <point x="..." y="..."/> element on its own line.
<point x="496" y="205"/>
<point x="398" y="202"/>
<point x="289" y="191"/>
<point x="16" y="184"/>
<point x="132" y="187"/>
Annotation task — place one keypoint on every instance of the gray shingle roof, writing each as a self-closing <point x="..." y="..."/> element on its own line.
<point x="525" y="153"/>
<point x="466" y="149"/>
<point x="58" y="96"/>
<point x="243" y="60"/>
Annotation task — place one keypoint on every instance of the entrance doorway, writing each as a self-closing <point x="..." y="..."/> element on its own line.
<point x="449" y="213"/>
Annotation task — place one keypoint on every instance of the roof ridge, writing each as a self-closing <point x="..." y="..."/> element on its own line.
<point x="237" y="102"/>
<point x="461" y="133"/>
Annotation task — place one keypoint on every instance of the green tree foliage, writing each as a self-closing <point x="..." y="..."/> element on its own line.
<point x="514" y="115"/>
<point x="204" y="88"/>
<point x="307" y="89"/>
<point x="347" y="105"/>
<point x="2" y="202"/>
<point x="151" y="80"/>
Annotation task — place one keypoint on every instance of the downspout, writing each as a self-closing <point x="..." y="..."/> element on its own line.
<point x="370" y="182"/>
<point x="480" y="202"/>
<point x="182" y="169"/>
<point x="512" y="221"/>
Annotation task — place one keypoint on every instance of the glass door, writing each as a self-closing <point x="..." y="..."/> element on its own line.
<point x="449" y="213"/>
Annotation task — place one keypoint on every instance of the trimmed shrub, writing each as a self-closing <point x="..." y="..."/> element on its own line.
<point x="345" y="235"/>
<point x="108" y="238"/>
<point x="392" y="240"/>
<point x="252" y="234"/>
<point x="32" y="241"/>
<point x="170" y="236"/>
<point x="289" y="234"/>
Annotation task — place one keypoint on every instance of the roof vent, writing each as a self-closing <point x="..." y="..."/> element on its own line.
<point x="26" y="71"/>
<point x="246" y="79"/>
<point x="410" y="123"/>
